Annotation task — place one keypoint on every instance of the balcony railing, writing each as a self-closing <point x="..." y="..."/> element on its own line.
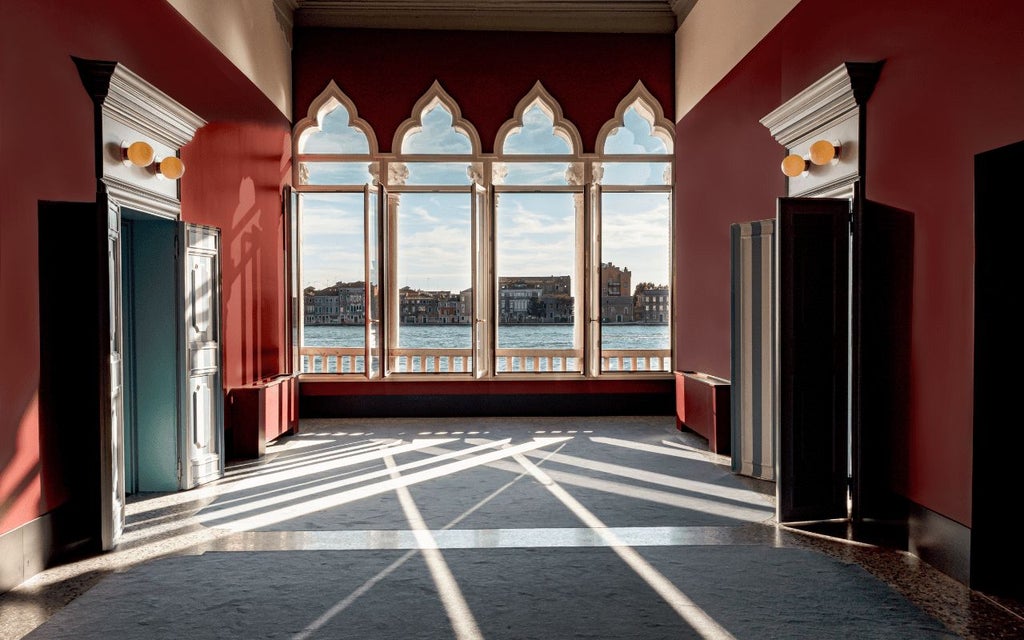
<point x="539" y="360"/>
<point x="332" y="359"/>
<point x="636" y="360"/>
<point x="403" y="360"/>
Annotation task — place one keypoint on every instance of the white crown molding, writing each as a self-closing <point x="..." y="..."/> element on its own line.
<point x="284" y="12"/>
<point x="681" y="8"/>
<point x="832" y="108"/>
<point x="141" y="106"/>
<point x="831" y="98"/>
<point x="827" y="100"/>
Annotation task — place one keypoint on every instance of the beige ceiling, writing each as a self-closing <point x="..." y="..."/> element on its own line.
<point x="601" y="16"/>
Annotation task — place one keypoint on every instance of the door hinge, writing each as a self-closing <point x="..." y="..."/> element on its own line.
<point x="179" y="472"/>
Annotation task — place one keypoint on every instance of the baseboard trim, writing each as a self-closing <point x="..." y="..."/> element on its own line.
<point x="943" y="543"/>
<point x="53" y="537"/>
<point x="25" y="551"/>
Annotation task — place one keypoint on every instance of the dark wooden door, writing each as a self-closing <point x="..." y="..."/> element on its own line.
<point x="883" y="272"/>
<point x="997" y="557"/>
<point x="813" y="337"/>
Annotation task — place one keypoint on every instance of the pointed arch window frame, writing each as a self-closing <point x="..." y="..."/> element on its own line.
<point x="661" y="128"/>
<point x="388" y="175"/>
<point x="395" y="164"/>
<point x="574" y="183"/>
<point x="330" y="99"/>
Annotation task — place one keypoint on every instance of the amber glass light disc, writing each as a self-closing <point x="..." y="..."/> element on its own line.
<point x="793" y="165"/>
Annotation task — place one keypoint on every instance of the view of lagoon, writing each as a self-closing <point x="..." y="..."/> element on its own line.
<point x="520" y="336"/>
<point x="614" y="337"/>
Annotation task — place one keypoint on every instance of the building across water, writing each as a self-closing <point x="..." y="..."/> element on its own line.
<point x="522" y="300"/>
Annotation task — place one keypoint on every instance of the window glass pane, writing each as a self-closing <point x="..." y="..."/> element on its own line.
<point x="436" y="134"/>
<point x="537" y="135"/>
<point x="434" y="173"/>
<point x="535" y="244"/>
<point x="634" y="284"/>
<point x="637" y="134"/>
<point x="538" y="173"/>
<point x="335" y="135"/>
<point x="333" y="282"/>
<point x="434" y="283"/>
<point x="335" y="173"/>
<point x="636" y="173"/>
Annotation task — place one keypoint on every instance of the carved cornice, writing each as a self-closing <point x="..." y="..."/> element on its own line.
<point x="284" y="12"/>
<point x="682" y="9"/>
<point x="835" y="95"/>
<point x="142" y="106"/>
<point x="129" y="99"/>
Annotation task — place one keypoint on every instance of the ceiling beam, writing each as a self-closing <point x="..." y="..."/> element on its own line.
<point x="595" y="16"/>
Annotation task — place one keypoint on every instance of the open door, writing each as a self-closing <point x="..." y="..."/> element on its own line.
<point x="813" y="249"/>
<point x="80" y="415"/>
<point x="202" y="450"/>
<point x="996" y="558"/>
<point x="882" y="291"/>
<point x="112" y="425"/>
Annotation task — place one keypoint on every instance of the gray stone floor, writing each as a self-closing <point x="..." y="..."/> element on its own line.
<point x="610" y="527"/>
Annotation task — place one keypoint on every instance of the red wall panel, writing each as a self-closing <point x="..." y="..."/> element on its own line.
<point x="487" y="73"/>
<point x="952" y="86"/>
<point x="234" y="181"/>
<point x="726" y="172"/>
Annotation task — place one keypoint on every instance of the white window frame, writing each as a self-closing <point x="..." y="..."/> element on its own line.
<point x="386" y="170"/>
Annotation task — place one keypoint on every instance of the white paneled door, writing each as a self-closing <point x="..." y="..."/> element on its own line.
<point x="202" y="450"/>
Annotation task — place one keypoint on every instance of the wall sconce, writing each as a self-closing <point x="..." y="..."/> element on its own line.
<point x="820" y="153"/>
<point x="794" y="165"/>
<point x="171" y="168"/>
<point x="825" y="151"/>
<point x="141" y="154"/>
<point x="138" y="153"/>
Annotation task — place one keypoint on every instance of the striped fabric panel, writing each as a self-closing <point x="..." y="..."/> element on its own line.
<point x="753" y="325"/>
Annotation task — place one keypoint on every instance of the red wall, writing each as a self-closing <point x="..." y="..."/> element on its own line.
<point x="952" y="86"/>
<point x="236" y="185"/>
<point x="47" y="141"/>
<point x="487" y="73"/>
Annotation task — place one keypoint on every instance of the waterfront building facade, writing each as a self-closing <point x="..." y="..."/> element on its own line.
<point x="521" y="300"/>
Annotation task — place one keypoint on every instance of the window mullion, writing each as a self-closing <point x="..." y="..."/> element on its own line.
<point x="592" y="328"/>
<point x="482" y="287"/>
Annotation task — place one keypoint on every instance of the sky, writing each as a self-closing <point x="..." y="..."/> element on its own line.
<point x="535" y="232"/>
